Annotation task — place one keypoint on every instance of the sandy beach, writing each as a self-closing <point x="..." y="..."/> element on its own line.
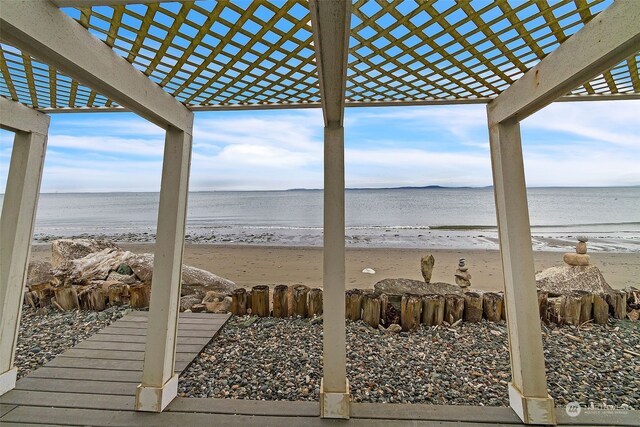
<point x="251" y="265"/>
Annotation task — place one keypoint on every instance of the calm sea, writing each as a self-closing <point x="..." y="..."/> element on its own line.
<point x="420" y="218"/>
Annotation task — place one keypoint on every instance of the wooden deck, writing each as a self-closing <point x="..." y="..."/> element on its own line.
<point x="94" y="384"/>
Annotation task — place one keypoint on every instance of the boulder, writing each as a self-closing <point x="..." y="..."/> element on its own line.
<point x="128" y="280"/>
<point x="565" y="279"/>
<point x="213" y="296"/>
<point x="39" y="272"/>
<point x="194" y="280"/>
<point x="188" y="301"/>
<point x="65" y="250"/>
<point x="463" y="278"/>
<point x="409" y="286"/>
<point x="426" y="265"/>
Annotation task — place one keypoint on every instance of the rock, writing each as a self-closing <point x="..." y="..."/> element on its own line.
<point x="213" y="296"/>
<point x="576" y="260"/>
<point x="188" y="301"/>
<point x="369" y="271"/>
<point x="39" y="272"/>
<point x="426" y="266"/>
<point x="409" y="286"/>
<point x="198" y="308"/>
<point x="462" y="264"/>
<point x="463" y="278"/>
<point x="394" y="328"/>
<point x="581" y="248"/>
<point x="194" y="280"/>
<point x="220" y="306"/>
<point x="65" y="250"/>
<point x="634" y="314"/>
<point x="117" y="277"/>
<point x="124" y="269"/>
<point x="564" y="279"/>
<point x="583" y="239"/>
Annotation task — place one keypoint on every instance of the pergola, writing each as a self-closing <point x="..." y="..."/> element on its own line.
<point x="166" y="60"/>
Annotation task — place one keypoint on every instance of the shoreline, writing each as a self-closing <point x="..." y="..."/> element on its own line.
<point x="249" y="265"/>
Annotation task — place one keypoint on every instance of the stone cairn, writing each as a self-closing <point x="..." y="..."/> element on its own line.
<point x="580" y="258"/>
<point x="426" y="266"/>
<point x="462" y="276"/>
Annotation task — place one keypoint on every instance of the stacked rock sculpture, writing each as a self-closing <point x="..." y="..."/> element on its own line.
<point x="580" y="258"/>
<point x="462" y="276"/>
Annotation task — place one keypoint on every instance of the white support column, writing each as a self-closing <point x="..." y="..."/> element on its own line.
<point x="528" y="390"/>
<point x="16" y="223"/>
<point x="330" y="21"/>
<point x="159" y="382"/>
<point x="334" y="390"/>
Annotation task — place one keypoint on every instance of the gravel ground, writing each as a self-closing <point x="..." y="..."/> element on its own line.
<point x="47" y="332"/>
<point x="275" y="359"/>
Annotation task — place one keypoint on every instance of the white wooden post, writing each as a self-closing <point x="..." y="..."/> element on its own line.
<point x="335" y="386"/>
<point x="159" y="382"/>
<point x="16" y="223"/>
<point x="528" y="388"/>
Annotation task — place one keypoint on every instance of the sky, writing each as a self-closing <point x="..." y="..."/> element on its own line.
<point x="565" y="144"/>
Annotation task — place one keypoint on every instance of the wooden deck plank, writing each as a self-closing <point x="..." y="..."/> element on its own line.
<point x="114" y="330"/>
<point x="185" y="315"/>
<point x="4" y="408"/>
<point x="134" y="347"/>
<point x="245" y="407"/>
<point x="68" y="400"/>
<point x="112" y="365"/>
<point x="181" y="321"/>
<point x="47" y="372"/>
<point x="118" y="354"/>
<point x="77" y="386"/>
<point x="185" y="326"/>
<point x="434" y="412"/>
<point x="141" y="339"/>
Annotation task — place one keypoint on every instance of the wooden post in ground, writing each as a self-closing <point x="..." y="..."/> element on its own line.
<point x="472" y="307"/>
<point x="314" y="303"/>
<point x="600" y="309"/>
<point x="453" y="308"/>
<point x="493" y="306"/>
<point x="410" y="312"/>
<point x="281" y="301"/>
<point x="433" y="310"/>
<point x="239" y="299"/>
<point x="299" y="294"/>
<point x="260" y="300"/>
<point x="371" y="309"/>
<point x="543" y="305"/>
<point x="16" y="223"/>
<point x="353" y="302"/>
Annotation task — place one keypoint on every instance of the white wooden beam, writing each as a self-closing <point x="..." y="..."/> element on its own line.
<point x="17" y="117"/>
<point x="16" y="223"/>
<point x="610" y="37"/>
<point x="40" y="29"/>
<point x="159" y="383"/>
<point x="92" y="3"/>
<point x="330" y="21"/>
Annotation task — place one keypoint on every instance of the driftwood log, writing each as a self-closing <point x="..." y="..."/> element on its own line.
<point x="453" y="308"/>
<point x="260" y="300"/>
<point x="299" y="294"/>
<point x="371" y="309"/>
<point x="410" y="311"/>
<point x="433" y="309"/>
<point x="493" y="306"/>
<point x="239" y="298"/>
<point x="66" y="297"/>
<point x="281" y="301"/>
<point x="314" y="302"/>
<point x="543" y="305"/>
<point x="140" y="295"/>
<point x="353" y="304"/>
<point x="473" y="307"/>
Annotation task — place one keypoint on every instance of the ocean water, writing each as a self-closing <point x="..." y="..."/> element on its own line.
<point x="414" y="218"/>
